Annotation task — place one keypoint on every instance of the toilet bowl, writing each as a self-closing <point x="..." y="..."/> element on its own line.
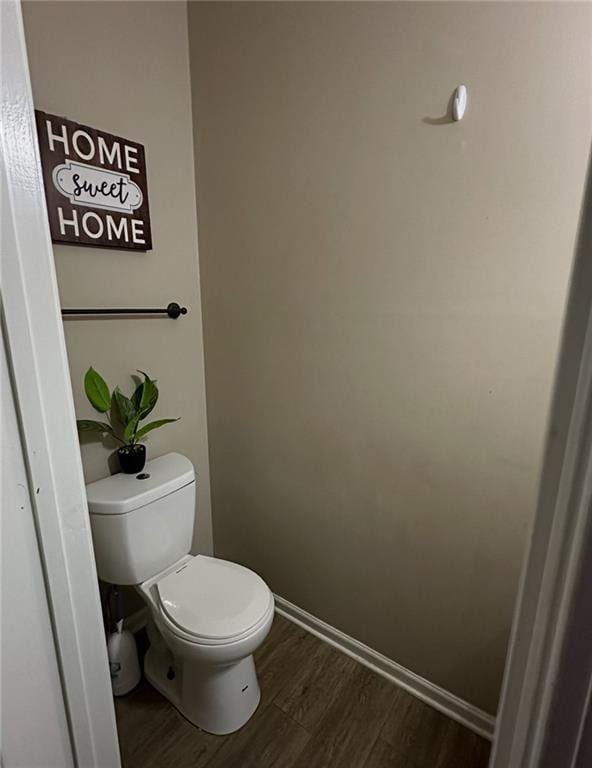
<point x="212" y="615"/>
<point x="207" y="615"/>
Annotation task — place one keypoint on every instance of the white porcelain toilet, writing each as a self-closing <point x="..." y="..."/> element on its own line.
<point x="207" y="615"/>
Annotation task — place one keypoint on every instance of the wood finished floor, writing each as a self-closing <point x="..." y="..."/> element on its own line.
<point x="319" y="709"/>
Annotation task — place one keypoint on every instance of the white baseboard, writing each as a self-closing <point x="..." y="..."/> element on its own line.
<point x="468" y="715"/>
<point x="472" y="717"/>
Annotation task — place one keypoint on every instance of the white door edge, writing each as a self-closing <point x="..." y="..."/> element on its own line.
<point x="561" y="535"/>
<point x="35" y="338"/>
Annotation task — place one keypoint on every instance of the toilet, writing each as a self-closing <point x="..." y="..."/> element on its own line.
<point x="207" y="616"/>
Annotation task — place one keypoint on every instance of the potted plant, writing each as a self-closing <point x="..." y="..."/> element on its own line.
<point x="124" y="416"/>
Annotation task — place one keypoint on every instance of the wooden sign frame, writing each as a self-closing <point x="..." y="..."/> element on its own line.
<point x="95" y="185"/>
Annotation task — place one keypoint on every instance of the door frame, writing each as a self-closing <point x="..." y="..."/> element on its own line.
<point x="547" y="686"/>
<point x="39" y="367"/>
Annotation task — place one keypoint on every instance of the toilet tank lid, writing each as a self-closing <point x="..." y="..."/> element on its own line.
<point x="123" y="493"/>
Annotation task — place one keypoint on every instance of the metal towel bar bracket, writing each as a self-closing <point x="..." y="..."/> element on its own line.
<point x="173" y="310"/>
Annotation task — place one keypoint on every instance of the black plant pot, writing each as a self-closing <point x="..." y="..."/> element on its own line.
<point x="132" y="458"/>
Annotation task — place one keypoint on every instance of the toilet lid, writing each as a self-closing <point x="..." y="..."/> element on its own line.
<point x="214" y="599"/>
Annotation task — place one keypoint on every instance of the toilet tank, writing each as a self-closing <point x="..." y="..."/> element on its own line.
<point x="142" y="523"/>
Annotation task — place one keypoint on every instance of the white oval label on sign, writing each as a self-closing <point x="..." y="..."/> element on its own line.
<point x="96" y="187"/>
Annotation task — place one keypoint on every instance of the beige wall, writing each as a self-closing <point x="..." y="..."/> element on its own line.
<point x="123" y="68"/>
<point x="383" y="293"/>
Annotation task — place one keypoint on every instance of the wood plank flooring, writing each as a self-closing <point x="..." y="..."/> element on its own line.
<point x="319" y="709"/>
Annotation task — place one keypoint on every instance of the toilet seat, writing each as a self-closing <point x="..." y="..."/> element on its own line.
<point x="212" y="602"/>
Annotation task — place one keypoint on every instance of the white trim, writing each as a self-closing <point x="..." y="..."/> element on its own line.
<point x="43" y="395"/>
<point x="549" y="615"/>
<point x="472" y="717"/>
<point x="468" y="715"/>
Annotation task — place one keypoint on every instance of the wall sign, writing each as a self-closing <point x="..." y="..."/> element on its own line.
<point x="95" y="185"/>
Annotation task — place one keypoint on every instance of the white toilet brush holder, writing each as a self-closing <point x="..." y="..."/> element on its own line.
<point x="123" y="660"/>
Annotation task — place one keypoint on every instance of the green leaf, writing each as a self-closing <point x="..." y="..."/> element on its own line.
<point x="152" y="425"/>
<point x="125" y="407"/>
<point x="97" y="390"/>
<point x="88" y="425"/>
<point x="137" y="396"/>
<point x="129" y="433"/>
<point x="148" y="396"/>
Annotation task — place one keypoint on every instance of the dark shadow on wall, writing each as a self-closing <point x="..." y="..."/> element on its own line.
<point x="445" y="119"/>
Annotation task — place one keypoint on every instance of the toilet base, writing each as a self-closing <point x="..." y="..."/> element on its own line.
<point x="218" y="699"/>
